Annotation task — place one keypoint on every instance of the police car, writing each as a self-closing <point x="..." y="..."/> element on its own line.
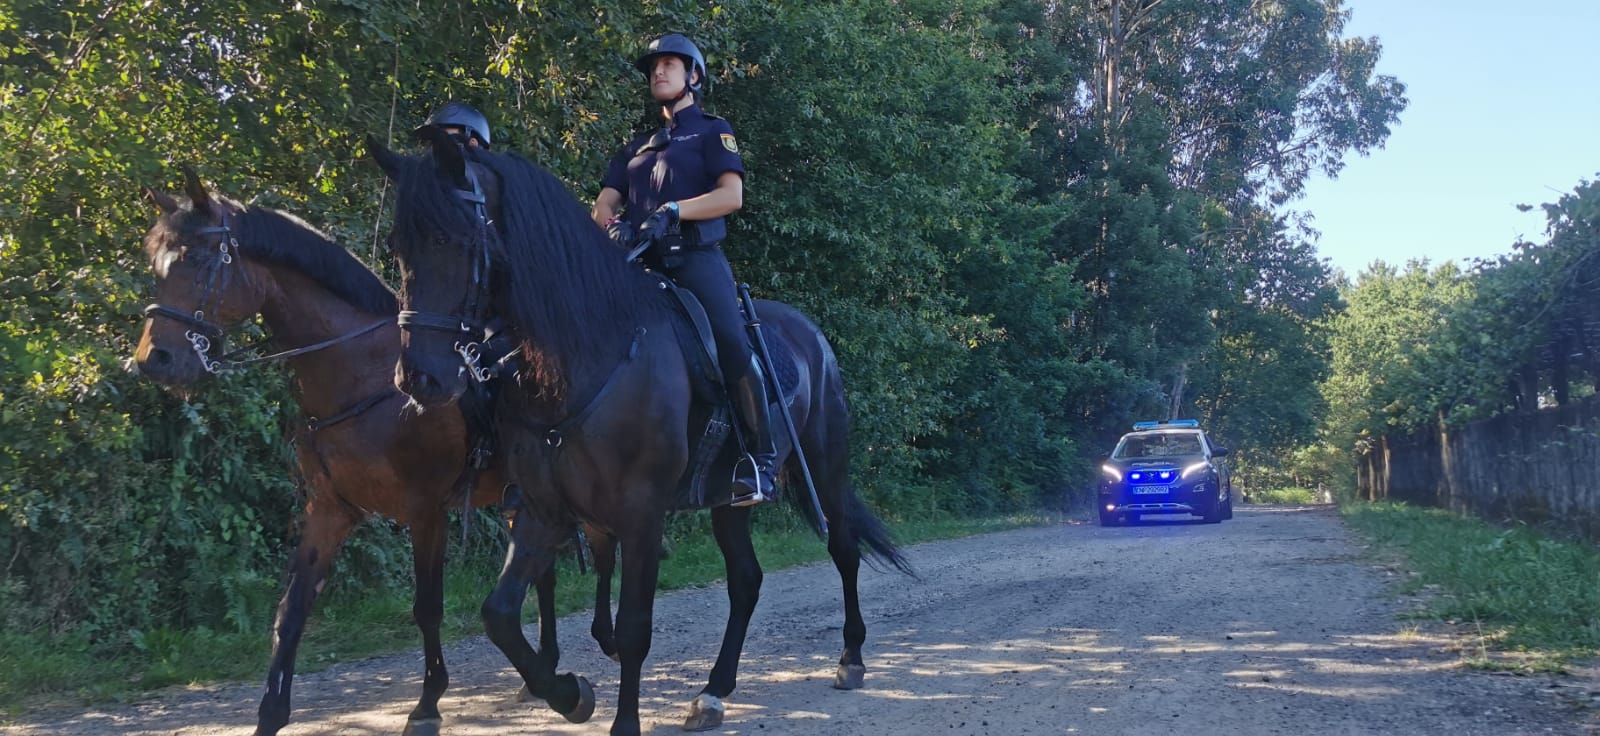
<point x="1165" y="467"/>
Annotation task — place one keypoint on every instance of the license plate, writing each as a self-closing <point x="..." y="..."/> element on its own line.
<point x="1150" y="489"/>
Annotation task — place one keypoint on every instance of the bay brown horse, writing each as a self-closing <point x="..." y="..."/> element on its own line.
<point x="359" y="450"/>
<point x="599" y="422"/>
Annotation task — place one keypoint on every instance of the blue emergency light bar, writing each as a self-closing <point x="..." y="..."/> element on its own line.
<point x="1170" y="423"/>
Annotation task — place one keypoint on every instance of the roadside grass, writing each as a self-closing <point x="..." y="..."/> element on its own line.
<point x="1285" y="496"/>
<point x="1515" y="590"/>
<point x="39" y="672"/>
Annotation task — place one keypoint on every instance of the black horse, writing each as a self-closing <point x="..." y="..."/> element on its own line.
<point x="606" y="407"/>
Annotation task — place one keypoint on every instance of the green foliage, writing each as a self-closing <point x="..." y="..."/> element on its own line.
<point x="1528" y="592"/>
<point x="1262" y="93"/>
<point x="1381" y="348"/>
<point x="860" y="204"/>
<point x="1288" y="496"/>
<point x="1421" y="347"/>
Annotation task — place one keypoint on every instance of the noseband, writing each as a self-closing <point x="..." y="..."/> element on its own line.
<point x="469" y="328"/>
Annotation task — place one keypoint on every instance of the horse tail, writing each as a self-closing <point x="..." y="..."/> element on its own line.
<point x="871" y="536"/>
<point x="869" y="533"/>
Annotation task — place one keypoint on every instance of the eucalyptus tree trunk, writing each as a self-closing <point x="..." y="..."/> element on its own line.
<point x="1179" y="383"/>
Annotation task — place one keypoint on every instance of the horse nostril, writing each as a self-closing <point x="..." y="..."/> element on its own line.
<point x="414" y="383"/>
<point x="161" y="357"/>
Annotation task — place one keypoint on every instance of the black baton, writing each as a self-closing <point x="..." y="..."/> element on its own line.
<point x="783" y="406"/>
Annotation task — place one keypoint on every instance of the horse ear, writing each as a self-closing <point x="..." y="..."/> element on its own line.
<point x="386" y="159"/>
<point x="447" y="155"/>
<point x="196" y="190"/>
<point x="164" y="202"/>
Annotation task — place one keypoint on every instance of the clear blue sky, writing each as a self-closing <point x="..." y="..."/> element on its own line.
<point x="1504" y="109"/>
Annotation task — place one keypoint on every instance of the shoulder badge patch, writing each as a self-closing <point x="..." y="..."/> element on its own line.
<point x="729" y="143"/>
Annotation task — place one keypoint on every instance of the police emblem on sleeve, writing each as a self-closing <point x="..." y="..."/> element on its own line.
<point x="729" y="143"/>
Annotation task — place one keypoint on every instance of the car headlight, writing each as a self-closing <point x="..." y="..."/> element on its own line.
<point x="1195" y="468"/>
<point x="1116" y="475"/>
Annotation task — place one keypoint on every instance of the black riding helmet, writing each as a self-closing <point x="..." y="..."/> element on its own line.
<point x="681" y="47"/>
<point x="463" y="116"/>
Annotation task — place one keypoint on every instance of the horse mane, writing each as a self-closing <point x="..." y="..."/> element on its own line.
<point x="570" y="292"/>
<point x="282" y="239"/>
<point x="563" y="268"/>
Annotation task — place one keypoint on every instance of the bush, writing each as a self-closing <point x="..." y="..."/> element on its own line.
<point x="1288" y="496"/>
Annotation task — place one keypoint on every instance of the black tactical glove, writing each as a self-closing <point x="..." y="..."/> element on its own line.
<point x="620" y="233"/>
<point x="659" y="223"/>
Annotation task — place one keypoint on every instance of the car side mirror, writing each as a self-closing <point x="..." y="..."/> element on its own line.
<point x="1219" y="452"/>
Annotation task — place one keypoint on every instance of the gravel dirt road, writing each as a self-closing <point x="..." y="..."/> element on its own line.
<point x="1272" y="623"/>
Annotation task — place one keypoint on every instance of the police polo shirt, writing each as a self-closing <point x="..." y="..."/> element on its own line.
<point x="674" y="163"/>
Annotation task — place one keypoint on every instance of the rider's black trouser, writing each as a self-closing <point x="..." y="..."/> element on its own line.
<point x="705" y="273"/>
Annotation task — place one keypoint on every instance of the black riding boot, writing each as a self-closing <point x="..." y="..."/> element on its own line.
<point x="754" y="484"/>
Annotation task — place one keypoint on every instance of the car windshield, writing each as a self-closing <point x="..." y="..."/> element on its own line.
<point x="1157" y="445"/>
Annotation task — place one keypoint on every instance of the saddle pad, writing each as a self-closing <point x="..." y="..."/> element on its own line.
<point x="696" y="314"/>
<point x="783" y="363"/>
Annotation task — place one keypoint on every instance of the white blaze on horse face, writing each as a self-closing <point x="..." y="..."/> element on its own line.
<point x="164" y="262"/>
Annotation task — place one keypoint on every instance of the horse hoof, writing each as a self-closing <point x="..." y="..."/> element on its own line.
<point x="585" y="708"/>
<point x="705" y="713"/>
<point x="422" y="727"/>
<point x="525" y="695"/>
<point x="850" y="677"/>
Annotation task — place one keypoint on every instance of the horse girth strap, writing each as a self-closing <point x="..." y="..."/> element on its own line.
<point x="555" y="434"/>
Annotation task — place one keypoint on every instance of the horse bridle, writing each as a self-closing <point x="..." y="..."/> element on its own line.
<point x="473" y="329"/>
<point x="470" y="328"/>
<point x="202" y="333"/>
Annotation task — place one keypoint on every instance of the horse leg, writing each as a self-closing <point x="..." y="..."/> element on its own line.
<point x="326" y="528"/>
<point x="641" y="563"/>
<point x="427" y="607"/>
<point x="827" y="447"/>
<point x="846" y="554"/>
<point x="545" y="588"/>
<point x="603" y="547"/>
<point x="529" y="558"/>
<point x="732" y="529"/>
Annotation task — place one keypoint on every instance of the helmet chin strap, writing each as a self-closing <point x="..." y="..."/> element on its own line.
<point x="672" y="104"/>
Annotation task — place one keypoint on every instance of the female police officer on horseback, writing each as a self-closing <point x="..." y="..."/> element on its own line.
<point x="674" y="187"/>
